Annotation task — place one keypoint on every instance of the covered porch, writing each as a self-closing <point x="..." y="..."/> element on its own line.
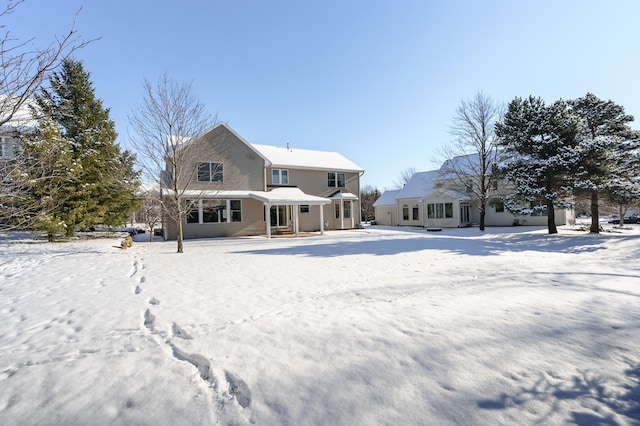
<point x="288" y="198"/>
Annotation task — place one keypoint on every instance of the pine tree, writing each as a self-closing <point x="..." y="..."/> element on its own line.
<point x="47" y="174"/>
<point x="539" y="142"/>
<point x="104" y="192"/>
<point x="602" y="149"/>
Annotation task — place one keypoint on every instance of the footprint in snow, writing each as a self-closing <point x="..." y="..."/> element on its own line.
<point x="149" y="320"/>
<point x="239" y="389"/>
<point x="137" y="290"/>
<point x="154" y="301"/>
<point x="179" y="332"/>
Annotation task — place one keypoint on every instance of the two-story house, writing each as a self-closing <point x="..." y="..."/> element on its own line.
<point x="236" y="188"/>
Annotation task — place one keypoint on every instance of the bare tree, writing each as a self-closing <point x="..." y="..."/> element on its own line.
<point x="24" y="68"/>
<point x="166" y="125"/>
<point x="368" y="196"/>
<point x="150" y="211"/>
<point x="404" y="176"/>
<point x="472" y="154"/>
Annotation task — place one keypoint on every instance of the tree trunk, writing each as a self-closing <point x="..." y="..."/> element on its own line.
<point x="151" y="234"/>
<point x="595" y="219"/>
<point x="551" y="218"/>
<point x="483" y="213"/>
<point x="180" y="242"/>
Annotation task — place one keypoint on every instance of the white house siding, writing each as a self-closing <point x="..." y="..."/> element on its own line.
<point x="410" y="203"/>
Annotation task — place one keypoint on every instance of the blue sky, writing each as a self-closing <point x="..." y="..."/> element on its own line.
<point x="377" y="81"/>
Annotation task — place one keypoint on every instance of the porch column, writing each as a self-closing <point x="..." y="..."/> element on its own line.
<point x="267" y="215"/>
<point x="341" y="214"/>
<point x="296" y="216"/>
<point x="352" y="215"/>
<point x="321" y="219"/>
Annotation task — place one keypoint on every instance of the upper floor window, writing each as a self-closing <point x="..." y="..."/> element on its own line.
<point x="210" y="172"/>
<point x="336" y="180"/>
<point x="280" y="177"/>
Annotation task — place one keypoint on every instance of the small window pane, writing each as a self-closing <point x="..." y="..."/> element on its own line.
<point x="304" y="208"/>
<point x="347" y="209"/>
<point x="448" y="210"/>
<point x="217" y="172"/>
<point x="341" y="180"/>
<point x="284" y="177"/>
<point x="204" y="174"/>
<point x="331" y="179"/>
<point x="236" y="210"/>
<point x="275" y="177"/>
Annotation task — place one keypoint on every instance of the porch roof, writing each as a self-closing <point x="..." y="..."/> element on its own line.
<point x="291" y="196"/>
<point x="343" y="196"/>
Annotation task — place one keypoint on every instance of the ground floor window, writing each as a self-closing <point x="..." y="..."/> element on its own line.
<point x="440" y="210"/>
<point x="214" y="211"/>
<point x="304" y="208"/>
<point x="405" y="212"/>
<point x="416" y="212"/>
<point x="347" y="209"/>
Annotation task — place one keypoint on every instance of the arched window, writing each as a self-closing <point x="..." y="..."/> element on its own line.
<point x="405" y="212"/>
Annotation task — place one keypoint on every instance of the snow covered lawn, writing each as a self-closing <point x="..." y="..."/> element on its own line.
<point x="373" y="326"/>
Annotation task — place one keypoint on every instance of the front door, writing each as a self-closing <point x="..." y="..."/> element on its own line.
<point x="279" y="216"/>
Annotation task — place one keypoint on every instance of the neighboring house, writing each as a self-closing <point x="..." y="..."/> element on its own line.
<point x="248" y="189"/>
<point x="435" y="199"/>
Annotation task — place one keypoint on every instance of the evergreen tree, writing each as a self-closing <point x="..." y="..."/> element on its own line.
<point x="602" y="149"/>
<point x="47" y="174"/>
<point x="104" y="192"/>
<point x="539" y="142"/>
<point x="624" y="188"/>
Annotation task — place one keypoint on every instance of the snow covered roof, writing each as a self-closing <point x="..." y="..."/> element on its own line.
<point x="343" y="196"/>
<point x="388" y="198"/>
<point x="306" y="158"/>
<point x="212" y="193"/>
<point x="461" y="196"/>
<point x="22" y="119"/>
<point x="287" y="196"/>
<point x="419" y="185"/>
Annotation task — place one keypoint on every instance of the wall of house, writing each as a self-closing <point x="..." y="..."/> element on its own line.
<point x="387" y="215"/>
<point x="315" y="182"/>
<point x="452" y="222"/>
<point x="410" y="203"/>
<point x="243" y="169"/>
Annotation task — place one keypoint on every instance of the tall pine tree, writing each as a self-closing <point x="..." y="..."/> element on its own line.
<point x="47" y="174"/>
<point x="104" y="191"/>
<point x="539" y="142"/>
<point x="603" y="149"/>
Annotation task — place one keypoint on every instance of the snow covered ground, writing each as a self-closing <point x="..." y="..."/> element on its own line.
<point x="373" y="326"/>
